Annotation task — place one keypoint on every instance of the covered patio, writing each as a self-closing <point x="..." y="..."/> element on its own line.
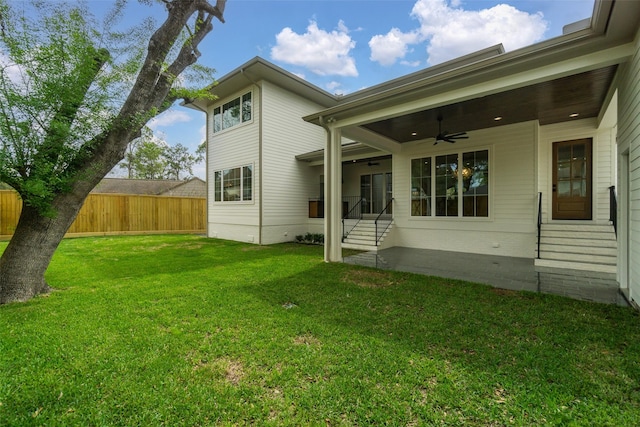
<point x="508" y="273"/>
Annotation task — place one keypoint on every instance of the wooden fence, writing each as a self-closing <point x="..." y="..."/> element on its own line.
<point x="107" y="214"/>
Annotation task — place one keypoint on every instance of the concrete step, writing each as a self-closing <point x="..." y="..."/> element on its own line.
<point x="365" y="234"/>
<point x="577" y="249"/>
<point x="600" y="243"/>
<point x="581" y="266"/>
<point x="568" y="234"/>
<point x="594" y="228"/>
<point x="359" y="247"/>
<point x="583" y="258"/>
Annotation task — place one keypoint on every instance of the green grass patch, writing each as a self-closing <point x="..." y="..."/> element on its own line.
<point x="184" y="330"/>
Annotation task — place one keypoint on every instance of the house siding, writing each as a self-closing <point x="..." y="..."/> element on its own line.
<point x="510" y="229"/>
<point x="629" y="149"/>
<point x="234" y="147"/>
<point x="287" y="181"/>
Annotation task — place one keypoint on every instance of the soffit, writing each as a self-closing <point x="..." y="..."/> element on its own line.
<point x="569" y="74"/>
<point x="548" y="102"/>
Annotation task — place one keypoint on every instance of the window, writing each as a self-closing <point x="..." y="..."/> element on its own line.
<point x="232" y="113"/>
<point x="217" y="182"/>
<point x="421" y="187"/>
<point x="475" y="183"/>
<point x="233" y="185"/>
<point x="439" y="181"/>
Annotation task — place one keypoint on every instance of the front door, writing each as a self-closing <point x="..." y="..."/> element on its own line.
<point x="571" y="192"/>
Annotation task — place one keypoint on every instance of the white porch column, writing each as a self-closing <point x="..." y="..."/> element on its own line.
<point x="333" y="196"/>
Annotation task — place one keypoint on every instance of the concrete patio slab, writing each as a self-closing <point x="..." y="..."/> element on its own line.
<point x="498" y="271"/>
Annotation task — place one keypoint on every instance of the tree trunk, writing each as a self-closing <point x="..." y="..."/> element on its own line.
<point x="31" y="248"/>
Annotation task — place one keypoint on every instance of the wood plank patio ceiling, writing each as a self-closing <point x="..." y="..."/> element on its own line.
<point x="549" y="102"/>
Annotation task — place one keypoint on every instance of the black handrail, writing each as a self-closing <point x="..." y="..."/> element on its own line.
<point x="613" y="208"/>
<point x="385" y="229"/>
<point x="348" y="215"/>
<point x="539" y="221"/>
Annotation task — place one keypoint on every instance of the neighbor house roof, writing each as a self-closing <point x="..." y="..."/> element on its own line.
<point x="156" y="187"/>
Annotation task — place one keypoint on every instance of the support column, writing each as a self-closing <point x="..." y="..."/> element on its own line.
<point x="333" y="196"/>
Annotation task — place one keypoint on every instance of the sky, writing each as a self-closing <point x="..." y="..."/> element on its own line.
<point x="343" y="46"/>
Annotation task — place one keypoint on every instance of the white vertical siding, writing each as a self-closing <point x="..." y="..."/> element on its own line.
<point x="287" y="181"/>
<point x="629" y="143"/>
<point x="603" y="167"/>
<point x="510" y="228"/>
<point x="231" y="148"/>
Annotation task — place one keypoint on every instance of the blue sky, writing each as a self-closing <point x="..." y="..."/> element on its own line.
<point x="346" y="45"/>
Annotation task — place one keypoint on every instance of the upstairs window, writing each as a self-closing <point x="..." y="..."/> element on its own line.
<point x="232" y="113"/>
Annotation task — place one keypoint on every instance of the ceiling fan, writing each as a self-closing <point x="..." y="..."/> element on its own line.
<point x="373" y="163"/>
<point x="446" y="136"/>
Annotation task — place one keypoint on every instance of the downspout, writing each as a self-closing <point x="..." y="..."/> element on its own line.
<point x="206" y="163"/>
<point x="260" y="168"/>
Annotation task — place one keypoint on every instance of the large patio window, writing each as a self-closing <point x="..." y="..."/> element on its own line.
<point x="232" y="113"/>
<point x="445" y="186"/>
<point x="233" y="185"/>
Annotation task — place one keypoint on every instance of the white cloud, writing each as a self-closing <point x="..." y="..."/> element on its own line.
<point x="387" y="49"/>
<point x="335" y="88"/>
<point x="202" y="133"/>
<point x="450" y="31"/>
<point x="324" y="53"/>
<point x="168" y="118"/>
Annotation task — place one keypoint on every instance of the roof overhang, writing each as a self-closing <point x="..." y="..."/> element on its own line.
<point x="546" y="82"/>
<point x="253" y="72"/>
<point x="351" y="151"/>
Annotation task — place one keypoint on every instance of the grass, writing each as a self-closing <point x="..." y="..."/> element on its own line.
<point x="183" y="330"/>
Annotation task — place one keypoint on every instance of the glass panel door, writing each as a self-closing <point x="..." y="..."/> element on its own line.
<point x="376" y="191"/>
<point x="571" y="191"/>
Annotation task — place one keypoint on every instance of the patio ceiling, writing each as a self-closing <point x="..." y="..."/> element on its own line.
<point x="548" y="102"/>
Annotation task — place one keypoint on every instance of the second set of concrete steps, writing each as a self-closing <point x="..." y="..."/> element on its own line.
<point x="363" y="235"/>
<point x="585" y="247"/>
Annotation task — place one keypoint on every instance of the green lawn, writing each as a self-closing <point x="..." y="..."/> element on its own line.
<point x="183" y="330"/>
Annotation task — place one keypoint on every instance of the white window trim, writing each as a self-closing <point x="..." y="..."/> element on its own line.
<point x="227" y="100"/>
<point x="235" y="202"/>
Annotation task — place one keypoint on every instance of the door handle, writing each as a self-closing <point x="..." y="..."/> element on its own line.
<point x="554" y="187"/>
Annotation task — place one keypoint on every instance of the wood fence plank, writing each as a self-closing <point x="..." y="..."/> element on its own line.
<point x="120" y="214"/>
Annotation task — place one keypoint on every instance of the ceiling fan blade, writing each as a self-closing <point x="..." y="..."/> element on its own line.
<point x="459" y="134"/>
<point x="458" y="137"/>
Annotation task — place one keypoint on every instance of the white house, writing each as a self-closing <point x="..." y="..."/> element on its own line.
<point x="553" y="131"/>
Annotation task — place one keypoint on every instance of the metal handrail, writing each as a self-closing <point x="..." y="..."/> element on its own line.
<point x="613" y="209"/>
<point x="539" y="221"/>
<point x="385" y="229"/>
<point x="348" y="215"/>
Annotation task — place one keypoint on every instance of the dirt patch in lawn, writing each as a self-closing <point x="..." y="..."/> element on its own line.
<point x="230" y="369"/>
<point x="370" y="278"/>
<point x="255" y="248"/>
<point x="307" y="339"/>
